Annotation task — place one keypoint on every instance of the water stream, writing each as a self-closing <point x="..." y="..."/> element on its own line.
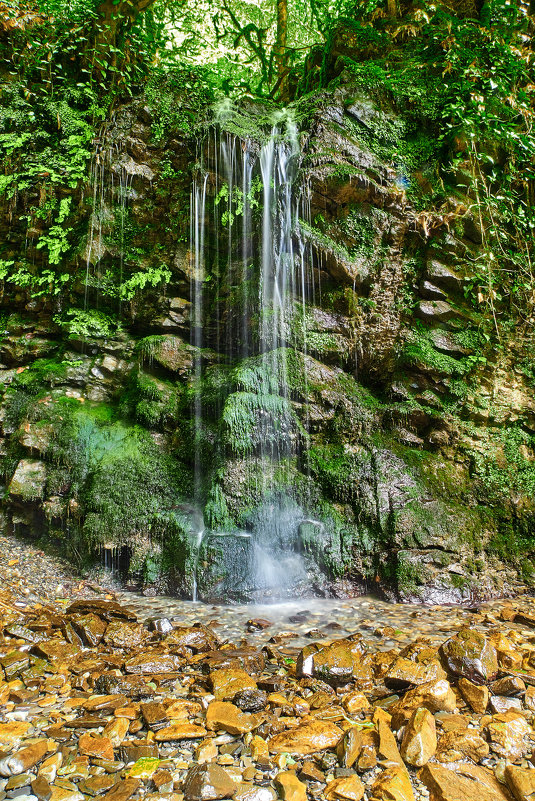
<point x="248" y="272"/>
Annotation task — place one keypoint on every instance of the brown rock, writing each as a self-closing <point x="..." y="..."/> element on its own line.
<point x="388" y="747"/>
<point x="100" y="747"/>
<point x="456" y="745"/>
<point x="310" y="773"/>
<point x="104" y="609"/>
<point x="253" y="662"/>
<point x="289" y="786"/>
<point x="461" y="784"/>
<point x="436" y="696"/>
<point x="41" y="788"/>
<point x="404" y="673"/>
<point x="419" y="739"/>
<point x="153" y="663"/>
<point x="180" y="731"/>
<point x="509" y="686"/>
<point x="207" y="783"/>
<point x="393" y="784"/>
<point x="23" y="760"/>
<point x="11" y="732"/>
<point x="55" y="650"/>
<point x="348" y="787"/>
<point x="116" y="730"/>
<point x="122" y="790"/>
<point x="476" y="696"/>
<point x="355" y="702"/>
<point x="198" y="638"/>
<point x="90" y="628"/>
<point x="471" y="655"/>
<point x="507" y="735"/>
<point x="154" y="715"/>
<point x="307" y="738"/>
<point x="96" y="785"/>
<point x="227" y="716"/>
<point x="227" y="682"/>
<point x="125" y="635"/>
<point x="521" y="782"/>
<point x="358" y="748"/>
<point x="205" y="752"/>
<point x="104" y="703"/>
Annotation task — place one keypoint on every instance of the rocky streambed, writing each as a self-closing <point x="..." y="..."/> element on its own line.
<point x="99" y="697"/>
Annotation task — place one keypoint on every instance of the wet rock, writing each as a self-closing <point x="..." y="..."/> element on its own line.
<point x="500" y="704"/>
<point x="507" y="735"/>
<point x="227" y="682"/>
<point x="521" y="782"/>
<point x="470" y="655"/>
<point x="290" y="787"/>
<point x="125" y="634"/>
<point x="358" y="748"/>
<point x="41" y="788"/>
<point x="258" y="624"/>
<point x="96" y="785"/>
<point x="100" y="747"/>
<point x="90" y="627"/>
<point x="307" y="738"/>
<point x="131" y="686"/>
<point x="310" y="773"/>
<point x="227" y="716"/>
<point x="180" y="731"/>
<point x="251" y="700"/>
<point x="476" y="696"/>
<point x="508" y="686"/>
<point x="23" y="760"/>
<point x="252" y="792"/>
<point x="393" y="784"/>
<point x="419" y="739"/>
<point x="436" y="696"/>
<point x="456" y="745"/>
<point x="12" y="732"/>
<point x="208" y="783"/>
<point x="29" y="480"/>
<point x="404" y="673"/>
<point x="469" y="784"/>
<point x="144" y="768"/>
<point x="153" y="663"/>
<point x="107" y="610"/>
<point x="198" y="638"/>
<point x="161" y="625"/>
<point x="253" y="662"/>
<point x="154" y="714"/>
<point x="206" y="752"/>
<point x="122" y="790"/>
<point x="132" y="751"/>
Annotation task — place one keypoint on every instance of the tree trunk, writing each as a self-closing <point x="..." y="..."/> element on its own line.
<point x="280" y="55"/>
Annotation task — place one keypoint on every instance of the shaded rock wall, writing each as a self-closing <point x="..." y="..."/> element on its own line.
<point x="419" y="468"/>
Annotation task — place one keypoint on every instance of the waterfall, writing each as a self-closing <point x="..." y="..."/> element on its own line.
<point x="249" y="289"/>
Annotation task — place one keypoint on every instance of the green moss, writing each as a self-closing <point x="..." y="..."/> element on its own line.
<point x="251" y="420"/>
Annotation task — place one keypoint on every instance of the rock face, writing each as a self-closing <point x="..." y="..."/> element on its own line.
<point x="416" y="462"/>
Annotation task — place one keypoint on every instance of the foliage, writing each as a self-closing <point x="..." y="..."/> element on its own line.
<point x="87" y="323"/>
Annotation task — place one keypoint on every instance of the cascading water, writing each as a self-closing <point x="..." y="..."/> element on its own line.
<point x="249" y="288"/>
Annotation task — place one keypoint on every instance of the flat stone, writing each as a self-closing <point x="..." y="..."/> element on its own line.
<point x="122" y="790"/>
<point x="41" y="788"/>
<point x="65" y="794"/>
<point x="419" y="739"/>
<point x="144" y="768"/>
<point x="96" y="785"/>
<point x="227" y="716"/>
<point x="466" y="783"/>
<point x="104" y="609"/>
<point x="307" y="738"/>
<point x="10" y="733"/>
<point x="252" y="792"/>
<point x="207" y="783"/>
<point x="153" y="663"/>
<point x="154" y="714"/>
<point x="180" y="731"/>
<point x="405" y="673"/>
<point x="226" y="683"/>
<point x="100" y="747"/>
<point x="24" y="760"/>
<point x="125" y="634"/>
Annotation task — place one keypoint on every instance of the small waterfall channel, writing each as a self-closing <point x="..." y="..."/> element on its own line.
<point x="250" y="281"/>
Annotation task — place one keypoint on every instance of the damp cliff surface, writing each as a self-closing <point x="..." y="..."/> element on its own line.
<point x="295" y="392"/>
